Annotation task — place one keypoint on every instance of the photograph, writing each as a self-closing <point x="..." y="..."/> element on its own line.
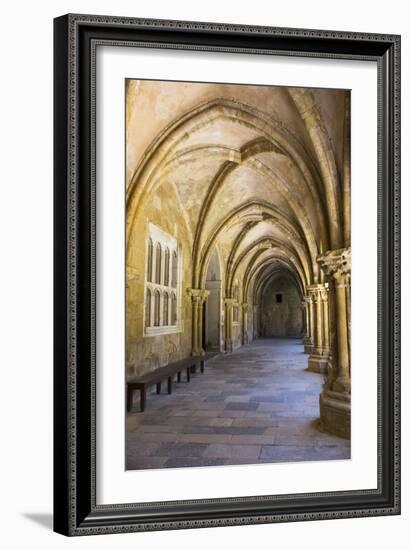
<point x="226" y="274"/>
<point x="208" y="250"/>
<point x="238" y="274"/>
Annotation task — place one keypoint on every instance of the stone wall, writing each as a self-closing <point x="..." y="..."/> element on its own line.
<point x="145" y="353"/>
<point x="281" y="318"/>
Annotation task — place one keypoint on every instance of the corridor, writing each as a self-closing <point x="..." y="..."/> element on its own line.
<point x="238" y="243"/>
<point x="256" y="405"/>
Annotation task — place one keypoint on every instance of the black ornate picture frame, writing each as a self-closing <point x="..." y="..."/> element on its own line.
<point x="76" y="38"/>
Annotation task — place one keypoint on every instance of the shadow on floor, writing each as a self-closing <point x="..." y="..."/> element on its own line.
<point x="44" y="520"/>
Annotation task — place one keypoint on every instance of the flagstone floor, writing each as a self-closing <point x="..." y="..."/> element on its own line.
<point x="256" y="405"/>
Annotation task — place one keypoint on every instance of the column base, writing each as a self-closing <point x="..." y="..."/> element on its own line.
<point x="308" y="345"/>
<point x="335" y="413"/>
<point x="318" y="363"/>
<point x="228" y="346"/>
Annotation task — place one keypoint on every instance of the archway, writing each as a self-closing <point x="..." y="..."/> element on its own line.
<point x="212" y="307"/>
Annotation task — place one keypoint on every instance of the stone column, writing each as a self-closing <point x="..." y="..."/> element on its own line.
<point x="326" y="320"/>
<point x="318" y="360"/>
<point x="335" y="399"/>
<point x="255" y="322"/>
<point x="229" y="302"/>
<point x="307" y="340"/>
<point x="312" y="322"/>
<point x="245" y="325"/>
<point x="304" y="329"/>
<point x="198" y="297"/>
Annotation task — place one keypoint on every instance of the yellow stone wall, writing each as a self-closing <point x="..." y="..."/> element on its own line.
<point x="281" y="319"/>
<point x="144" y="353"/>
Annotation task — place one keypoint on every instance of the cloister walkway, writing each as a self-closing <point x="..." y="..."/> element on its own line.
<point x="256" y="405"/>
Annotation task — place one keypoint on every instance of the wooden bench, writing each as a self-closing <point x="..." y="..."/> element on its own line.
<point x="157" y="376"/>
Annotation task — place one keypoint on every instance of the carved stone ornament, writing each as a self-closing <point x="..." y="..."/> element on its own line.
<point x="198" y="295"/>
<point x="336" y="264"/>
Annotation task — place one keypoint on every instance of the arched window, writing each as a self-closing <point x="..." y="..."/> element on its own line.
<point x="158" y="264"/>
<point x="162" y="283"/>
<point x="156" y="308"/>
<point x="167" y="267"/>
<point x="150" y="261"/>
<point x="173" y="309"/>
<point x="174" y="270"/>
<point x="148" y="308"/>
<point x="165" y="309"/>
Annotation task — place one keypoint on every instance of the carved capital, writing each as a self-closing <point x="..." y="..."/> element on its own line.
<point x="336" y="264"/>
<point x="245" y="307"/>
<point x="317" y="292"/>
<point x="198" y="295"/>
<point x="324" y="293"/>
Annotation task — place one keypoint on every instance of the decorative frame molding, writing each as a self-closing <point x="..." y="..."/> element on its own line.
<point x="75" y="42"/>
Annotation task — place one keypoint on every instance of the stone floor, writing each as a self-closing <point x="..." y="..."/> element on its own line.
<point x="256" y="405"/>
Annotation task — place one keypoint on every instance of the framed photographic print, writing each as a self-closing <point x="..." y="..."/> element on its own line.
<point x="227" y="280"/>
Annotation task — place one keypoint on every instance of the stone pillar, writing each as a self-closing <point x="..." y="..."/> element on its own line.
<point x="307" y="340"/>
<point x="245" y="325"/>
<point x="304" y="318"/>
<point x="335" y="399"/>
<point x="326" y="320"/>
<point x="255" y="322"/>
<point x="318" y="360"/>
<point x="229" y="302"/>
<point x="312" y="322"/>
<point x="198" y="297"/>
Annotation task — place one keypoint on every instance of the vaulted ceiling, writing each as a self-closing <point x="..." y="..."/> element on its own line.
<point x="260" y="173"/>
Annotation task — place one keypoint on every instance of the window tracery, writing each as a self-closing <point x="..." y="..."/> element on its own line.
<point x="162" y="283"/>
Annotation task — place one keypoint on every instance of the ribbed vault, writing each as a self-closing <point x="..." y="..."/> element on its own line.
<point x="247" y="185"/>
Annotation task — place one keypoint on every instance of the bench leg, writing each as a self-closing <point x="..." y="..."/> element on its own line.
<point x="169" y="384"/>
<point x="159" y="387"/>
<point x="143" y="399"/>
<point x="129" y="399"/>
<point x="179" y="376"/>
<point x="202" y="366"/>
<point x="188" y="374"/>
